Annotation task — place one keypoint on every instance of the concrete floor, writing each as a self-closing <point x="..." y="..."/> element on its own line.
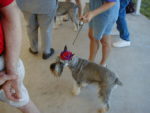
<point x="132" y="64"/>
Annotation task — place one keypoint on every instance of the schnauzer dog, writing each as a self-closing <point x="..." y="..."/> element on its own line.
<point x="67" y="8"/>
<point x="83" y="72"/>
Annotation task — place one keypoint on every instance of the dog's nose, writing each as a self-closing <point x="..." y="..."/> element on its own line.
<point x="52" y="66"/>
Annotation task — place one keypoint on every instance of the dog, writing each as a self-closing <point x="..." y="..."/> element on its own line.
<point x="87" y="72"/>
<point x="67" y="8"/>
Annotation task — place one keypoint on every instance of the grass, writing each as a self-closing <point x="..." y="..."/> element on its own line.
<point x="145" y="7"/>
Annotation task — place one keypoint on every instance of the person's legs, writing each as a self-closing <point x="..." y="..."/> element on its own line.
<point x="32" y="30"/>
<point x="106" y="48"/>
<point x="78" y="2"/>
<point x="45" y="23"/>
<point x="122" y="26"/>
<point x="121" y="22"/>
<point x="94" y="45"/>
<point x="29" y="108"/>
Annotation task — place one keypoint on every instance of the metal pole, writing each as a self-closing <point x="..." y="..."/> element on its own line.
<point x="138" y="7"/>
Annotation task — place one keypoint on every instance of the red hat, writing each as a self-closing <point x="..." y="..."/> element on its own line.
<point x="66" y="55"/>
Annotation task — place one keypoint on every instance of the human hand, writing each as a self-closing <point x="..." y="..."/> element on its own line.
<point x="4" y="77"/>
<point x="87" y="17"/>
<point x="11" y="90"/>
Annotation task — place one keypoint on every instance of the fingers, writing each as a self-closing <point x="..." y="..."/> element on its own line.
<point x="11" y="91"/>
<point x="7" y="91"/>
<point x="4" y="77"/>
<point x="11" y="77"/>
<point x="16" y="88"/>
<point x="84" y="19"/>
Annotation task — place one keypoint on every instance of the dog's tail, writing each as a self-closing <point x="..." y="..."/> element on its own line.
<point x="118" y="82"/>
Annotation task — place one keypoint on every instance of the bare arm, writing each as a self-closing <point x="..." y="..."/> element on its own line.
<point x="103" y="8"/>
<point x="12" y="33"/>
<point x="89" y="15"/>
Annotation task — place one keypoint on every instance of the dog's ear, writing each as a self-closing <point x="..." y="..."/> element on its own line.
<point x="65" y="48"/>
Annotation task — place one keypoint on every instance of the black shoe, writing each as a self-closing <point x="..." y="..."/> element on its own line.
<point x="33" y="52"/>
<point x="46" y="56"/>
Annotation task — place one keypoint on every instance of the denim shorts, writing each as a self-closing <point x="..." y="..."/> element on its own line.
<point x="103" y="23"/>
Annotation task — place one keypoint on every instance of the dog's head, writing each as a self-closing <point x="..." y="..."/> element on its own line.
<point x="63" y="60"/>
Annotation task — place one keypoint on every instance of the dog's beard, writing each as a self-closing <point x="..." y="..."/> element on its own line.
<point x="56" y="69"/>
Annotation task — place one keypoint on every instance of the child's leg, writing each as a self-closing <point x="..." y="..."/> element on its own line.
<point x="78" y="2"/>
<point x="94" y="45"/>
<point x="106" y="48"/>
<point x="29" y="108"/>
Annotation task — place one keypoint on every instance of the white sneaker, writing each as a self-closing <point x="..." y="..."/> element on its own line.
<point x="121" y="43"/>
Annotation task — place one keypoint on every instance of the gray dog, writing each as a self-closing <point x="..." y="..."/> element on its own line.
<point x="83" y="72"/>
<point x="70" y="9"/>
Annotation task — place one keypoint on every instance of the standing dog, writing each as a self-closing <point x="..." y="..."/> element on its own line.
<point x="83" y="72"/>
<point x="67" y="8"/>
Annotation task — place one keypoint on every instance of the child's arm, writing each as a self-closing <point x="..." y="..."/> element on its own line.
<point x="104" y="7"/>
<point x="89" y="15"/>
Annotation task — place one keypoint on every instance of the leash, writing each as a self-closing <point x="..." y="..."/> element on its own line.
<point x="81" y="26"/>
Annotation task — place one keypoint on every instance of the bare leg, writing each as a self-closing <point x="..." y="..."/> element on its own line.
<point x="94" y="45"/>
<point x="29" y="108"/>
<point x="78" y="2"/>
<point x="106" y="48"/>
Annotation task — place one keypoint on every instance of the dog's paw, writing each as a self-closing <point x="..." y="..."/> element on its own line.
<point x="76" y="92"/>
<point x="103" y="110"/>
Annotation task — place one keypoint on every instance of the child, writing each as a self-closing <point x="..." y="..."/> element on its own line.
<point x="102" y="16"/>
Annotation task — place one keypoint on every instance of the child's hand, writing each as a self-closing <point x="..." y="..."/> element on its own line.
<point x="87" y="17"/>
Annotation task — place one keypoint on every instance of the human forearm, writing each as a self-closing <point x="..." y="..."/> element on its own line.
<point x="103" y="8"/>
<point x="91" y="14"/>
<point x="12" y="33"/>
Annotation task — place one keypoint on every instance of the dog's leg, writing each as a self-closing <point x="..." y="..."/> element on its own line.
<point x="76" y="89"/>
<point x="104" y="95"/>
<point x="56" y="22"/>
<point x="84" y="84"/>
